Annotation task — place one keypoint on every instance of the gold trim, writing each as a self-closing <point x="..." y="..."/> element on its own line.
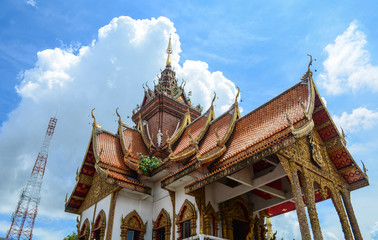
<point x="187" y="213"/>
<point x="304" y="130"/>
<point x="113" y="202"/>
<point x="192" y="149"/>
<point x="165" y="222"/>
<point x="217" y="152"/>
<point x="147" y="142"/>
<point x="94" y="124"/>
<point x="178" y="134"/>
<point x="85" y="230"/>
<point x="133" y="222"/>
<point x="101" y="226"/>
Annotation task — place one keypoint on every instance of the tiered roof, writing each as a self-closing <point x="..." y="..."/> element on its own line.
<point x="217" y="147"/>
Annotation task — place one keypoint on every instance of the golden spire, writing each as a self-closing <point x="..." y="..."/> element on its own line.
<point x="169" y="51"/>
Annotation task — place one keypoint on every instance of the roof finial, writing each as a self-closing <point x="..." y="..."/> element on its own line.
<point x="169" y="51"/>
<point x="237" y="95"/>
<point x="310" y="62"/>
<point x="212" y="102"/>
<point x="119" y="117"/>
<point x="95" y="124"/>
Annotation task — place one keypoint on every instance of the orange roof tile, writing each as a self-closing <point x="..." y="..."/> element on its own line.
<point x="195" y="129"/>
<point x="123" y="178"/>
<point x="109" y="149"/>
<point x="267" y="120"/>
<point x="221" y="124"/>
<point x="134" y="143"/>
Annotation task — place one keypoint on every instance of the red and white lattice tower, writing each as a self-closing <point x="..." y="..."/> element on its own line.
<point x="27" y="207"/>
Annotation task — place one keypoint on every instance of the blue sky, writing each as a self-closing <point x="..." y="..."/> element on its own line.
<point x="51" y="53"/>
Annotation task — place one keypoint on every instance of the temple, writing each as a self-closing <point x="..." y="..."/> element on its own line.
<point x="183" y="174"/>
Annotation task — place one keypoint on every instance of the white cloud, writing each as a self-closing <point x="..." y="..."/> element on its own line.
<point x="324" y="101"/>
<point x="360" y="118"/>
<point x="374" y="231"/>
<point x="32" y="3"/>
<point x="286" y="225"/>
<point x="204" y="83"/>
<point x="348" y="66"/>
<point x="107" y="74"/>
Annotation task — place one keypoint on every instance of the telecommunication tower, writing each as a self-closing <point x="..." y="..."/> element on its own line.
<point x="24" y="217"/>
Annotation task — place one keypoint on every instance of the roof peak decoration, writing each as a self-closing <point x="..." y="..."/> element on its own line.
<point x="94" y="124"/>
<point x="169" y="52"/>
<point x="306" y="77"/>
<point x="119" y="117"/>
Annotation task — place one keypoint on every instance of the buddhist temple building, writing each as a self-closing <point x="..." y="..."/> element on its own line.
<point x="181" y="173"/>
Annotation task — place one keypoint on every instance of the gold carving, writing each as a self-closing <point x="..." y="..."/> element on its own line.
<point x="85" y="230"/>
<point x="133" y="222"/>
<point x="99" y="225"/>
<point x="234" y="209"/>
<point x="345" y="194"/>
<point x="187" y="213"/>
<point x="210" y="218"/>
<point x="92" y="197"/>
<point x="335" y="196"/>
<point x="162" y="221"/>
<point x="316" y="149"/>
<point x="308" y="187"/>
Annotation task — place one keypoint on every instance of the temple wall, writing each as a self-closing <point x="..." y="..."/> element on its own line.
<point x="210" y="193"/>
<point x="180" y="199"/>
<point x="87" y="213"/>
<point x="103" y="204"/>
<point x="161" y="199"/>
<point x="125" y="204"/>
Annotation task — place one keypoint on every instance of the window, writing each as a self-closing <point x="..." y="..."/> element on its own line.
<point x="160" y="234"/>
<point x="132" y="235"/>
<point x="132" y="227"/>
<point x="186" y="229"/>
<point x="97" y="234"/>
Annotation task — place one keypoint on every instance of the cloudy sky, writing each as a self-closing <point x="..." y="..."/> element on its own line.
<point x="66" y="57"/>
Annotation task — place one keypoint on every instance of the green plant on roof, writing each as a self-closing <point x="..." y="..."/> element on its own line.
<point x="147" y="163"/>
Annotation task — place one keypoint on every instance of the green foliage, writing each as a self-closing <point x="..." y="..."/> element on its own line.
<point x="190" y="93"/>
<point x="147" y="164"/>
<point x="72" y="236"/>
<point x="199" y="107"/>
<point x="175" y="90"/>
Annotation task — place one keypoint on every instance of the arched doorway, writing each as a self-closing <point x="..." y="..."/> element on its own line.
<point x="210" y="221"/>
<point x="186" y="220"/>
<point x="162" y="226"/>
<point x="84" y="230"/>
<point x="132" y="227"/>
<point x="98" y="232"/>
<point x="235" y="219"/>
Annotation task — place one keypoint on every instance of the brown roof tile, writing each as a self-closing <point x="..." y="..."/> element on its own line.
<point x="133" y="139"/>
<point x="267" y="120"/>
<point x="195" y="129"/>
<point x="209" y="142"/>
<point x="110" y="149"/>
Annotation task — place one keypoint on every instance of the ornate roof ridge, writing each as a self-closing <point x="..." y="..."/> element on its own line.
<point x="191" y="149"/>
<point x="271" y="100"/>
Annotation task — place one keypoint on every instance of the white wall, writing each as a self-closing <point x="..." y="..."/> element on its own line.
<point x="128" y="202"/>
<point x="103" y="204"/>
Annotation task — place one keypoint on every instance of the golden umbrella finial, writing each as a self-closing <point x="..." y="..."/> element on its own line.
<point x="169" y="51"/>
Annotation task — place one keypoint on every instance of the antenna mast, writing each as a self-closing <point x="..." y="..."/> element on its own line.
<point x="24" y="217"/>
